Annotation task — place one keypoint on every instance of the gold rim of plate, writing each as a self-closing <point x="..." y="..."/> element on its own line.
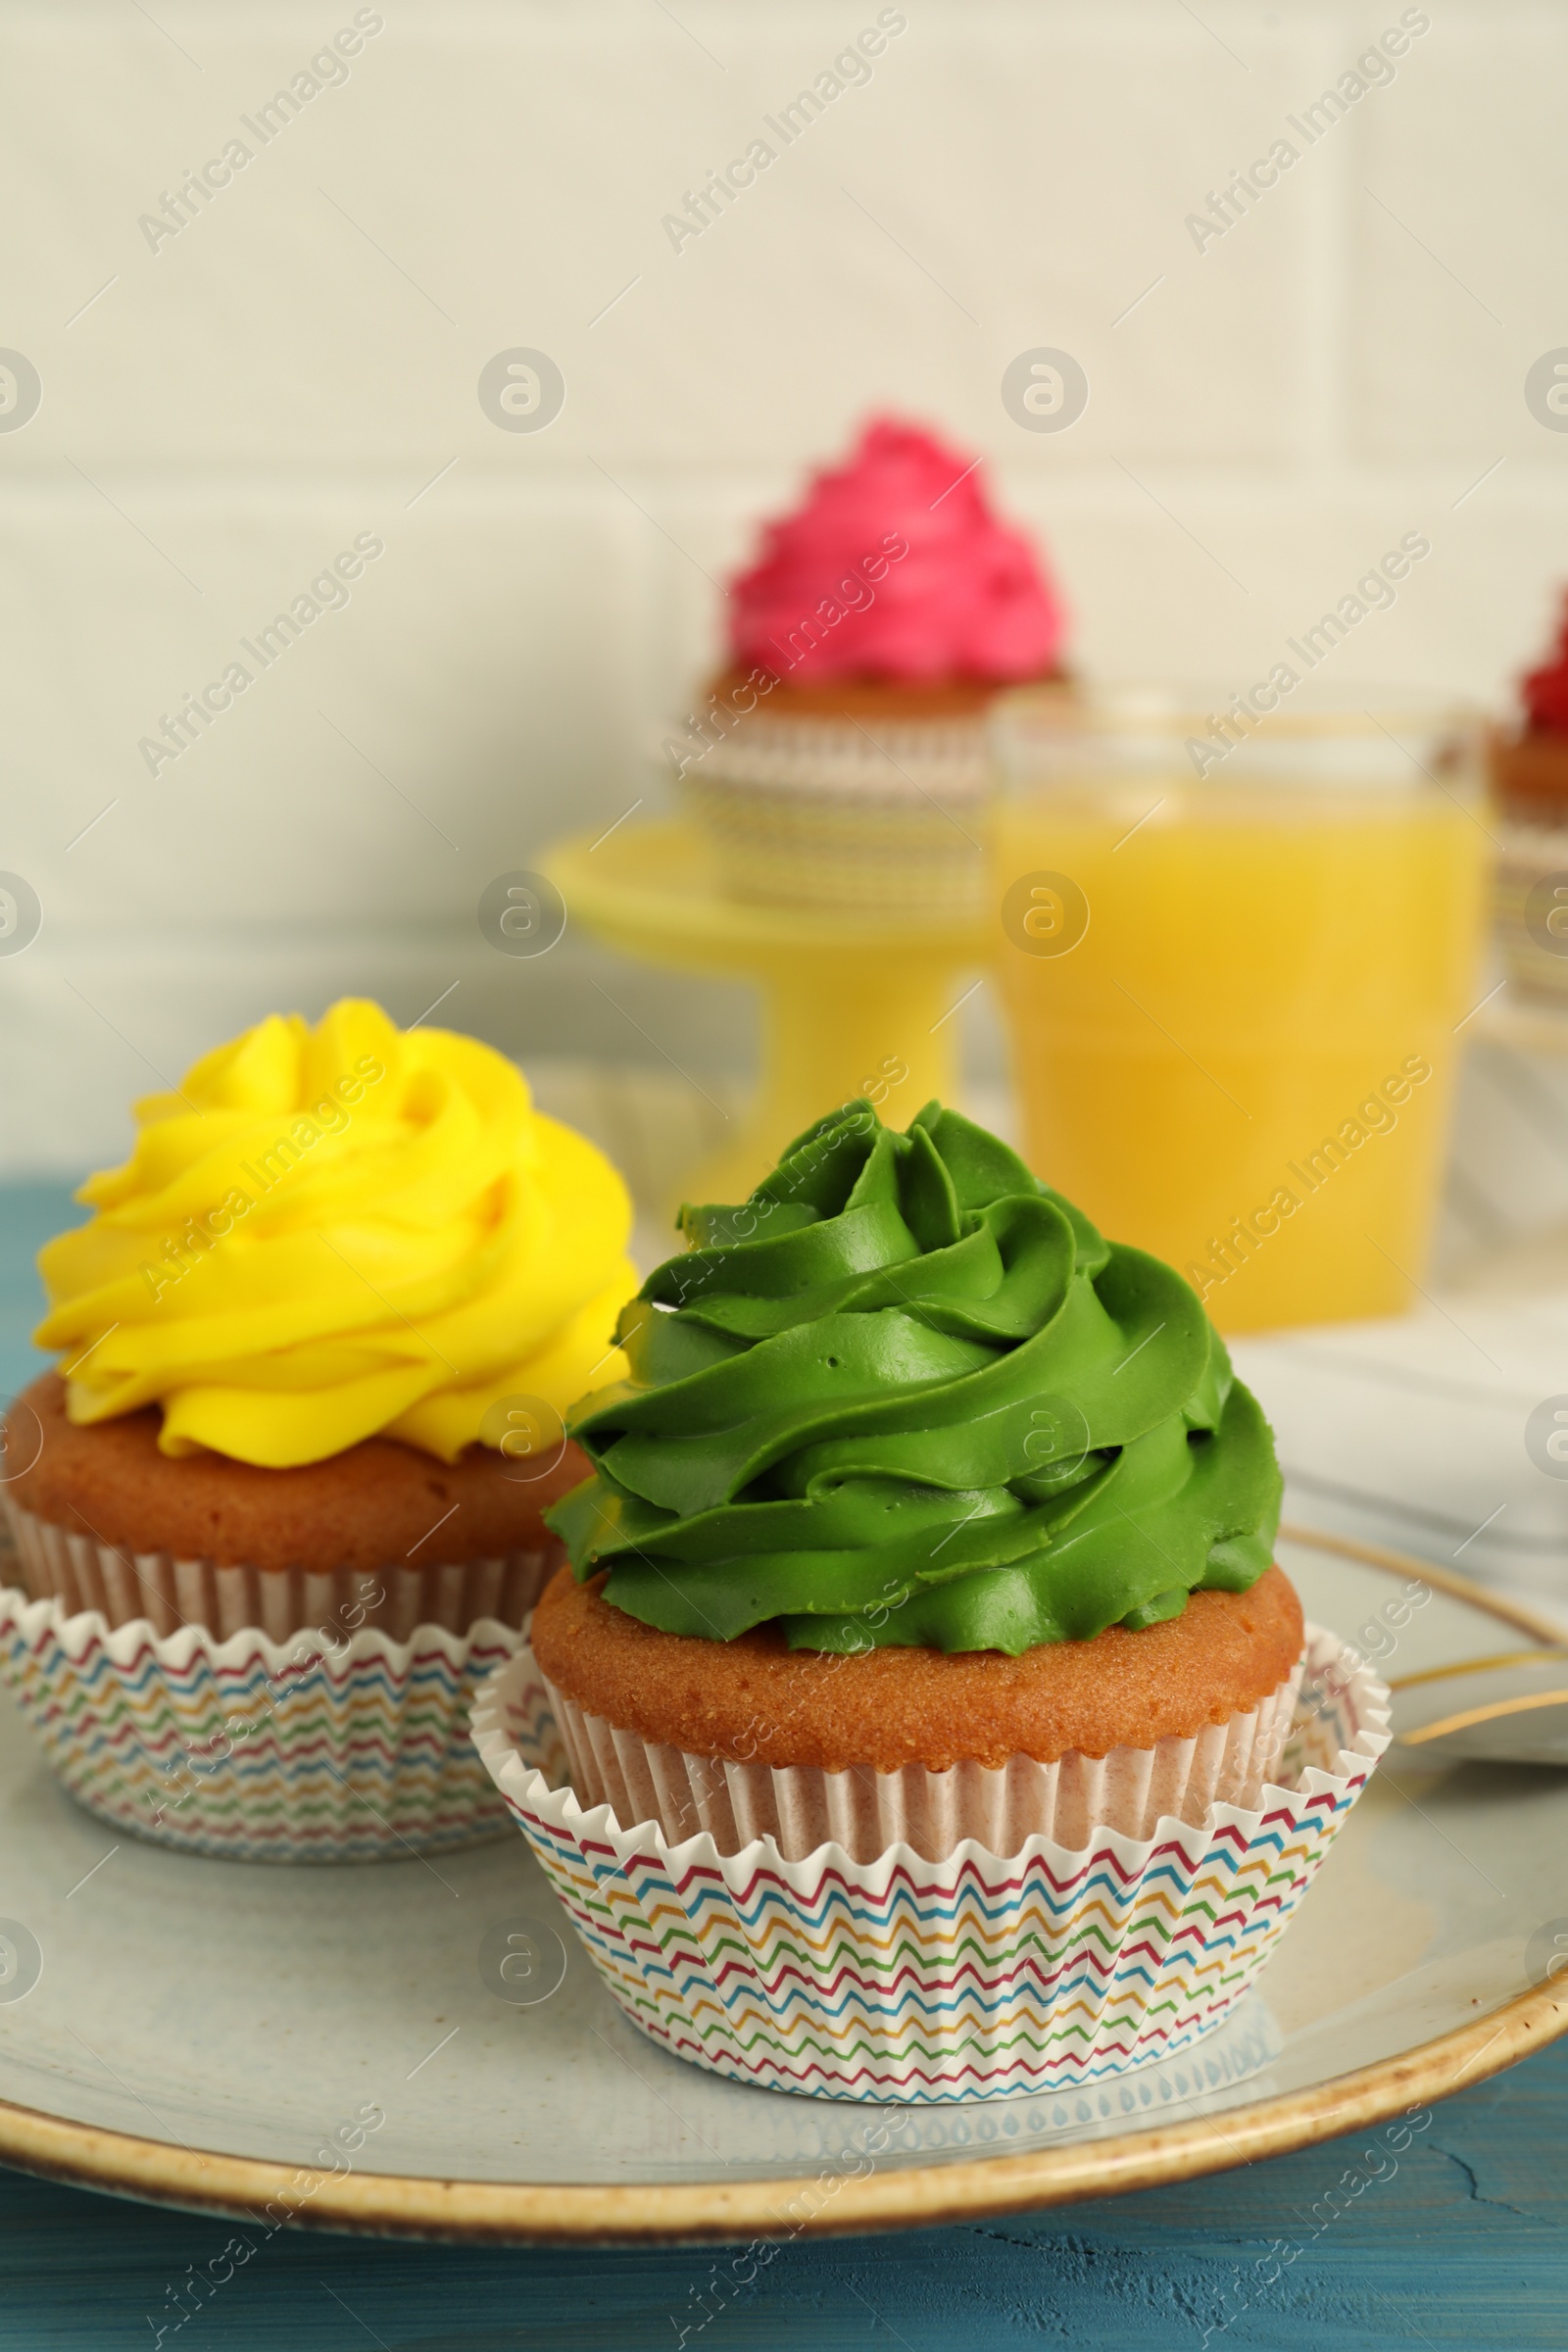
<point x="398" y="2205"/>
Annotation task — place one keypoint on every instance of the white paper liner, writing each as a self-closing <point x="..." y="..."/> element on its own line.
<point x="816" y="813"/>
<point x="893" y="865"/>
<point x="124" y="1587"/>
<point x="348" y="1749"/>
<point x="1529" y="853"/>
<point x="1050" y="1967"/>
<point x="866" y="1811"/>
<point x="888" y="762"/>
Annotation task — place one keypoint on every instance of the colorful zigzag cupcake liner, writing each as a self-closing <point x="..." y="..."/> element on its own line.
<point x="1045" y="1970"/>
<point x="261" y="1750"/>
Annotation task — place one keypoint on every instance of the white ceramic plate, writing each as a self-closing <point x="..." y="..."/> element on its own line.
<point x="204" y="2032"/>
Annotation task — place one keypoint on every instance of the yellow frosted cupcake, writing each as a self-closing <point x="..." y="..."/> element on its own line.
<point x="316" y="1340"/>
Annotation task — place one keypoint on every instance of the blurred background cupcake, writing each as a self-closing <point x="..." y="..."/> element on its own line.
<point x="837" y="761"/>
<point x="1530" y="784"/>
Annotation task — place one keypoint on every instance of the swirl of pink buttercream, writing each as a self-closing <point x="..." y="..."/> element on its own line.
<point x="895" y="567"/>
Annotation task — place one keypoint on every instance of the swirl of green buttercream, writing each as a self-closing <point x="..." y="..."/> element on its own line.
<point x="905" y="1394"/>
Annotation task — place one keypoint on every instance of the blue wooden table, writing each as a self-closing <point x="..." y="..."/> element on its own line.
<point x="1465" y="2245"/>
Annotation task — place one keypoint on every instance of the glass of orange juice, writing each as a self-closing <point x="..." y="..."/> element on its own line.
<point x="1238" y="950"/>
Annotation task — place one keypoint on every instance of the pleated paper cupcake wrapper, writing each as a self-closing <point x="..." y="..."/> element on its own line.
<point x="1530" y="855"/>
<point x="124" y="1587"/>
<point x="1049" y="1966"/>
<point x="823" y="816"/>
<point x="866" y="1811"/>
<point x="261" y="1750"/>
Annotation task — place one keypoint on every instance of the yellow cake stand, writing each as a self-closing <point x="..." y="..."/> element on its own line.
<point x="850" y="1005"/>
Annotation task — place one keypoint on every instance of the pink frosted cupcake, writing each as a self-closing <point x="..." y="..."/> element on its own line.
<point x="838" y="759"/>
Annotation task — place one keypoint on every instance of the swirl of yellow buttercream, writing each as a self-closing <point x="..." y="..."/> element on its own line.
<point x="336" y="1233"/>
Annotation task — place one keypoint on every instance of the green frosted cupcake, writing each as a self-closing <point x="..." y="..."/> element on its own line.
<point x="914" y="1471"/>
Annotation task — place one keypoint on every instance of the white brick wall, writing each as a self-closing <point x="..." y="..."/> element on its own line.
<point x="302" y="360"/>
